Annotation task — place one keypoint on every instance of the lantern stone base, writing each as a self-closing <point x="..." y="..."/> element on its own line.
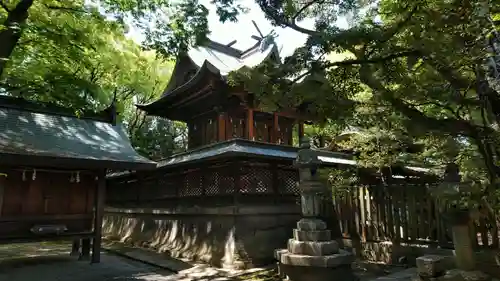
<point x="313" y="256"/>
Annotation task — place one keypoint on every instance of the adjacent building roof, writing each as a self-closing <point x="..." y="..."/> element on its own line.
<point x="253" y="149"/>
<point x="36" y="135"/>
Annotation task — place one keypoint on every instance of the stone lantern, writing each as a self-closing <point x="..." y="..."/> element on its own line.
<point x="459" y="219"/>
<point x="312" y="254"/>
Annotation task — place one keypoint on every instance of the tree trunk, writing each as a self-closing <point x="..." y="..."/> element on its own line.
<point x="10" y="35"/>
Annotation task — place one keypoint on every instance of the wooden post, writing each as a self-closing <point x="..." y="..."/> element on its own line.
<point x="221" y="127"/>
<point x="75" y="248"/>
<point x="301" y="130"/>
<point x="98" y="214"/>
<point x="249" y="125"/>
<point x="85" y="249"/>
<point x="274" y="136"/>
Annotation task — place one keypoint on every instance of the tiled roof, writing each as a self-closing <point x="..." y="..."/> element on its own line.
<point x="63" y="140"/>
<point x="240" y="147"/>
<point x="220" y="60"/>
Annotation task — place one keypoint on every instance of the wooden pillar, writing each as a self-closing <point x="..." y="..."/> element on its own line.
<point x="301" y="130"/>
<point x="249" y="125"/>
<point x="221" y="127"/>
<point x="98" y="214"/>
<point x="85" y="255"/>
<point x="274" y="136"/>
<point x="75" y="248"/>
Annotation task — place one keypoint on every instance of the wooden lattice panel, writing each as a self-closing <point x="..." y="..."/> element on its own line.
<point x="129" y="191"/>
<point x="287" y="181"/>
<point x="191" y="184"/>
<point x="167" y="187"/>
<point x="256" y="180"/>
<point x="149" y="189"/>
<point x="212" y="182"/>
<point x="227" y="183"/>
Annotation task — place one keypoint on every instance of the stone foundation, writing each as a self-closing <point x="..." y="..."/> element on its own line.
<point x="244" y="237"/>
<point x="487" y="260"/>
<point x="436" y="268"/>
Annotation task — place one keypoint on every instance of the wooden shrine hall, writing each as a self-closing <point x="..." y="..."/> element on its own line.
<point x="52" y="171"/>
<point x="232" y="198"/>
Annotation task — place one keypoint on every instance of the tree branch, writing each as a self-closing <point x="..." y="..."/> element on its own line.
<point x="274" y="14"/>
<point x="307" y="5"/>
<point x="454" y="127"/>
<point x="449" y="74"/>
<point x="360" y="62"/>
<point x="72" y="9"/>
<point x="396" y="28"/>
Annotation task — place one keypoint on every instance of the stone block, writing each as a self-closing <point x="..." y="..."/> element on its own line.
<point x="313" y="248"/>
<point x="319" y="235"/>
<point x="278" y="253"/>
<point x="431" y="265"/>
<point x="335" y="260"/>
<point x="307" y="224"/>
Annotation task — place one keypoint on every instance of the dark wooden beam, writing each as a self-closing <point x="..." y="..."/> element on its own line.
<point x="99" y="212"/>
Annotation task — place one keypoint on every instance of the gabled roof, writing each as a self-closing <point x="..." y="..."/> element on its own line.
<point x="227" y="59"/>
<point x="216" y="59"/>
<point x="34" y="135"/>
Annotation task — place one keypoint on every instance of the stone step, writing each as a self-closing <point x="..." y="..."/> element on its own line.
<point x="313" y="248"/>
<point x="335" y="260"/>
<point x="317" y="235"/>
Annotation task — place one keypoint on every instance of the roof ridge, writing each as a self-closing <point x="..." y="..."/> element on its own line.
<point x="228" y="50"/>
<point x="49" y="108"/>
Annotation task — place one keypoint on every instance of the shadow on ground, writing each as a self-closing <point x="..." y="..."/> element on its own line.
<point x="51" y="262"/>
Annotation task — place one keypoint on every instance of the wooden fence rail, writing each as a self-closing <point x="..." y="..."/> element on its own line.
<point x="407" y="214"/>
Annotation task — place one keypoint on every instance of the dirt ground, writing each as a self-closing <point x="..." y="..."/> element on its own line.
<point x="51" y="262"/>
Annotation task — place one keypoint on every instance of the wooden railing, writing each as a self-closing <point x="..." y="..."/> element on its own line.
<point x="402" y="214"/>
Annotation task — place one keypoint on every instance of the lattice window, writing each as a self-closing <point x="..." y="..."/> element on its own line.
<point x="227" y="182"/>
<point x="167" y="186"/>
<point x="129" y="190"/>
<point x="149" y="189"/>
<point x="212" y="182"/>
<point x="191" y="184"/>
<point x="256" y="180"/>
<point x="287" y="180"/>
<point x="194" y="181"/>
